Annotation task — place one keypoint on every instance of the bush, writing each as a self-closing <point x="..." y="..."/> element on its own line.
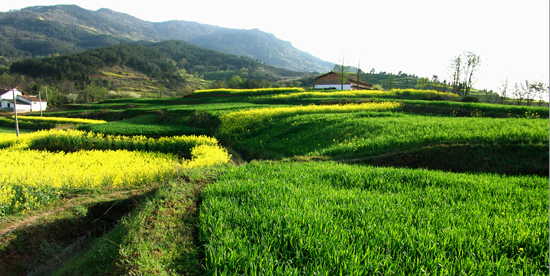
<point x="470" y="99"/>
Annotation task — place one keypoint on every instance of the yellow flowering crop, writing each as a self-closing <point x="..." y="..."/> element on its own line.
<point x="347" y="93"/>
<point x="7" y="139"/>
<point x="207" y="155"/>
<point x="252" y="91"/>
<point x="29" y="178"/>
<point x="413" y="93"/>
<point x="61" y="120"/>
<point x="245" y="120"/>
<point x="76" y="139"/>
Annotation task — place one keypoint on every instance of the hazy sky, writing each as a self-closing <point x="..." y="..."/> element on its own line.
<point x="418" y="37"/>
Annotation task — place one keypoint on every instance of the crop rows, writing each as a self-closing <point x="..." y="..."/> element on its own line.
<point x="249" y="91"/>
<point x="394" y="93"/>
<point x="369" y="133"/>
<point x="334" y="219"/>
<point x="61" y="120"/>
<point x="237" y="123"/>
<point x="73" y="140"/>
<point x="30" y="178"/>
<point x="31" y="122"/>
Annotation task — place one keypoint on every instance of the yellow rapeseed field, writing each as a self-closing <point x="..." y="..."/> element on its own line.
<point x="256" y="90"/>
<point x="369" y="93"/>
<point x="245" y="120"/>
<point x="61" y="120"/>
<point x="31" y="178"/>
<point x="207" y="155"/>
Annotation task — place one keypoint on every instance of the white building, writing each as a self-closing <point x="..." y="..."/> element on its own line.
<point x="24" y="101"/>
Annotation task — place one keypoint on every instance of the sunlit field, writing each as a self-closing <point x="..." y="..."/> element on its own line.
<point x="334" y="219"/>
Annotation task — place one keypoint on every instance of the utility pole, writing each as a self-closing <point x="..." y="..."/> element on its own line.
<point x="358" y="72"/>
<point x="15" y="113"/>
<point x="342" y="74"/>
<point x="40" y="102"/>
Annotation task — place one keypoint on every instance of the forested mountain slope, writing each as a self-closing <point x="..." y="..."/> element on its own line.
<point x="64" y="29"/>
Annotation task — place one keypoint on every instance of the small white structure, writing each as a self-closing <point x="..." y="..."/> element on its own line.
<point x="25" y="102"/>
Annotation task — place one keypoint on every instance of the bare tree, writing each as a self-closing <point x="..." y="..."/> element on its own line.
<point x="540" y="90"/>
<point x="463" y="67"/>
<point x="528" y="92"/>
<point x="456" y="67"/>
<point x="503" y="89"/>
<point x="473" y="62"/>
<point x="518" y="93"/>
<point x="368" y="74"/>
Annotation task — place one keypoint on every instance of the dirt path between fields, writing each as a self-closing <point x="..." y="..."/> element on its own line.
<point x="9" y="227"/>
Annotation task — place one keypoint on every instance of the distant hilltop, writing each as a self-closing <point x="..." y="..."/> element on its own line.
<point x="64" y="29"/>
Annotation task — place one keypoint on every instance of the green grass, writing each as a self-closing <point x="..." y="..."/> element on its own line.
<point x="146" y="125"/>
<point x="316" y="95"/>
<point x="333" y="219"/>
<point x="158" y="238"/>
<point x="12" y="130"/>
<point x="475" y="109"/>
<point x="340" y="135"/>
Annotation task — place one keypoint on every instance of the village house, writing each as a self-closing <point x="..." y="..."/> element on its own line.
<point x="24" y="101"/>
<point x="330" y="81"/>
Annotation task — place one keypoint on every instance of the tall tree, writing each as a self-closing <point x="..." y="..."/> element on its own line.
<point x="235" y="81"/>
<point x="421" y="83"/>
<point x="390" y="81"/>
<point x="435" y="82"/>
<point x="444" y="87"/>
<point x="527" y="92"/>
<point x="473" y="62"/>
<point x="503" y="89"/>
<point x="456" y="67"/>
<point x="160" y="89"/>
<point x="518" y="93"/>
<point x="541" y="91"/>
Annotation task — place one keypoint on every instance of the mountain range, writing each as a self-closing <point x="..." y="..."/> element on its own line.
<point x="64" y="29"/>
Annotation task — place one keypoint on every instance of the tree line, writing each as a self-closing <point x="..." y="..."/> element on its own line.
<point x="528" y="92"/>
<point x="173" y="67"/>
<point x="79" y="67"/>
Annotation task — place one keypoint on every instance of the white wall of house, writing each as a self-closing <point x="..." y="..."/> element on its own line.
<point x="9" y="95"/>
<point x="20" y="107"/>
<point x="23" y="108"/>
<point x="36" y="106"/>
<point x="5" y="104"/>
<point x="333" y="86"/>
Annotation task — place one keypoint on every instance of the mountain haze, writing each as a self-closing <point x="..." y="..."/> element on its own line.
<point x="64" y="29"/>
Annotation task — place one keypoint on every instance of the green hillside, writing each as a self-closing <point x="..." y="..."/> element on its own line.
<point x="143" y="69"/>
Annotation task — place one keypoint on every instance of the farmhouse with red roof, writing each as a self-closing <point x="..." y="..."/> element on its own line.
<point x="24" y="101"/>
<point x="331" y="80"/>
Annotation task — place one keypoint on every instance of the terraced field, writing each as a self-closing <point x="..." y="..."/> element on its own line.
<point x="288" y="182"/>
